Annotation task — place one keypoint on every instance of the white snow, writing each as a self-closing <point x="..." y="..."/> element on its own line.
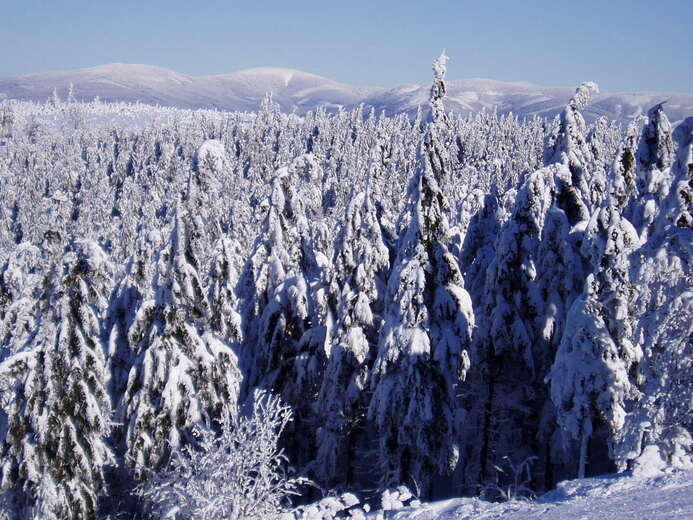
<point x="663" y="496"/>
<point x="245" y="89"/>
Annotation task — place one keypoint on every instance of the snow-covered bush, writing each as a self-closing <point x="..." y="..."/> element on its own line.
<point x="518" y="483"/>
<point x="240" y="474"/>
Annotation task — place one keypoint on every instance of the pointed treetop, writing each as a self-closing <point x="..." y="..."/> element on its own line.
<point x="439" y="66"/>
<point x="583" y="94"/>
<point x="438" y="88"/>
<point x="570" y="146"/>
<point x="656" y="148"/>
<point x="656" y="110"/>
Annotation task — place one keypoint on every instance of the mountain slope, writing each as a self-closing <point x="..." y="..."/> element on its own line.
<point x="527" y="99"/>
<point x="242" y="90"/>
<point x="300" y="91"/>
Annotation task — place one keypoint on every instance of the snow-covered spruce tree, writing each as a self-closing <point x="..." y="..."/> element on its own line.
<point x="20" y="280"/>
<point x="20" y="285"/>
<point x="531" y="283"/>
<point x="572" y="148"/>
<point x="359" y="277"/>
<point x="7" y="121"/>
<point x="623" y="186"/>
<point x="275" y="256"/>
<point x="380" y="166"/>
<point x="589" y="380"/>
<point x="55" y="451"/>
<point x="284" y="313"/>
<point x="609" y="241"/>
<point x="309" y="179"/>
<point x="659" y="424"/>
<point x="130" y="292"/>
<point x="653" y="159"/>
<point x="605" y="140"/>
<point x="184" y="376"/>
<point x="508" y="398"/>
<point x="596" y="365"/>
<point x="225" y="319"/>
<point x="479" y="247"/>
<point x="54" y="226"/>
<point x="678" y="207"/>
<point x="428" y="321"/>
<point x="202" y="197"/>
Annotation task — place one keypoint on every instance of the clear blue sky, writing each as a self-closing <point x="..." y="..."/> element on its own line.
<point x="623" y="45"/>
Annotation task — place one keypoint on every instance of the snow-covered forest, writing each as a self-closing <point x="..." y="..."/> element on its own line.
<point x="226" y="315"/>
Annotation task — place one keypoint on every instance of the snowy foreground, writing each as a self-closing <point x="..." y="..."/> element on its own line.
<point x="612" y="497"/>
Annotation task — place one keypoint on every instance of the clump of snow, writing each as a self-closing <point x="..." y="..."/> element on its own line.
<point x="650" y="463"/>
<point x="346" y="505"/>
<point x="212" y="154"/>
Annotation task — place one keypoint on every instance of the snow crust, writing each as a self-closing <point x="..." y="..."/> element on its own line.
<point x="662" y="496"/>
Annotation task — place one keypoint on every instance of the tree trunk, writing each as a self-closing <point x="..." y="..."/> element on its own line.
<point x="584" y="443"/>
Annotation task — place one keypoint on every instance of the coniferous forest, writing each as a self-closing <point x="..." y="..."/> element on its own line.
<point x="233" y="314"/>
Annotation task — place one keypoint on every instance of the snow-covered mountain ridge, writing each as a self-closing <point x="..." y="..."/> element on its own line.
<point x="302" y="91"/>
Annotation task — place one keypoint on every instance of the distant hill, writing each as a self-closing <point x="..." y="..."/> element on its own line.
<point x="301" y="91"/>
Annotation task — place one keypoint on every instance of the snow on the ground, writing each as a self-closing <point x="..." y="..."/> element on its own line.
<point x="667" y="496"/>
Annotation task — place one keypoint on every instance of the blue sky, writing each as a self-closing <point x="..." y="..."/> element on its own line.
<point x="623" y="45"/>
